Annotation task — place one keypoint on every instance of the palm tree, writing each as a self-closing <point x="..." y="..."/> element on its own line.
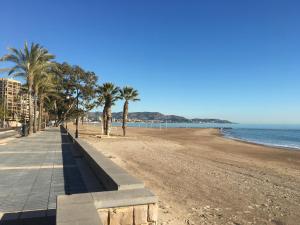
<point x="28" y="63"/>
<point x="128" y="94"/>
<point x="43" y="85"/>
<point x="100" y="102"/>
<point x="46" y="89"/>
<point x="110" y="93"/>
<point x="38" y="82"/>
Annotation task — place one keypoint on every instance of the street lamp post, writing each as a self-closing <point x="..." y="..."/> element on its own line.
<point x="77" y="115"/>
<point x="66" y="123"/>
<point x="65" y="115"/>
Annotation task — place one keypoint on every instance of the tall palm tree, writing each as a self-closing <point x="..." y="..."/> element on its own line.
<point x="43" y="84"/>
<point x="100" y="102"/>
<point x="110" y="93"/>
<point x="28" y="63"/>
<point x="127" y="94"/>
<point x="38" y="82"/>
<point x="46" y="89"/>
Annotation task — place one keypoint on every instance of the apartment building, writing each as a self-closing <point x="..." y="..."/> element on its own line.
<point x="13" y="101"/>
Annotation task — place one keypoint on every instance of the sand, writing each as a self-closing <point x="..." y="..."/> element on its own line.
<point x="204" y="178"/>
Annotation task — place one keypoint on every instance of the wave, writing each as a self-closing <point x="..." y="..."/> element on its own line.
<point x="251" y="141"/>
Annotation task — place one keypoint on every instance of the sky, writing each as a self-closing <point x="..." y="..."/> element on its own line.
<point x="235" y="59"/>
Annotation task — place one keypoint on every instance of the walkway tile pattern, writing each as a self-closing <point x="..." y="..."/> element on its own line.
<point x="42" y="167"/>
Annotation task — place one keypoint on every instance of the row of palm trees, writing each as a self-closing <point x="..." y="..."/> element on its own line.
<point x="108" y="95"/>
<point x="47" y="84"/>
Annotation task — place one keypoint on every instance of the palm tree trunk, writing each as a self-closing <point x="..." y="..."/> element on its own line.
<point x="104" y="118"/>
<point x="4" y="112"/>
<point x="30" y="109"/>
<point x="34" y="114"/>
<point x="125" y="115"/>
<point x="39" y="118"/>
<point x="40" y="114"/>
<point x="56" y="113"/>
<point x="101" y="123"/>
<point x="46" y="122"/>
<point x="108" y="120"/>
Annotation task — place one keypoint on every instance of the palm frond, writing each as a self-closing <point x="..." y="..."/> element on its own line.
<point x="129" y="94"/>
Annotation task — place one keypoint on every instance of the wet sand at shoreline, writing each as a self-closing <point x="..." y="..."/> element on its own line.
<point x="204" y="178"/>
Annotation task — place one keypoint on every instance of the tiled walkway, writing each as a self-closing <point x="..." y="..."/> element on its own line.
<point x="34" y="170"/>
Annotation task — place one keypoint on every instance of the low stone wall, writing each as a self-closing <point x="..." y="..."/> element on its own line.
<point x="8" y="132"/>
<point x="127" y="201"/>
<point x="111" y="175"/>
<point x="130" y="215"/>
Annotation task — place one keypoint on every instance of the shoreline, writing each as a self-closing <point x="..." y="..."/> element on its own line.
<point x="202" y="177"/>
<point x="258" y="144"/>
<point x="221" y="134"/>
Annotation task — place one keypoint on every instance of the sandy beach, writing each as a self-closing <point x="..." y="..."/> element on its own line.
<point x="204" y="178"/>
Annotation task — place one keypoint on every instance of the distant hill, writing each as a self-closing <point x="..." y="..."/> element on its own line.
<point x="197" y="120"/>
<point x="150" y="116"/>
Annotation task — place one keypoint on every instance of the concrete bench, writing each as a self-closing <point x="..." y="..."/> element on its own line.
<point x="77" y="209"/>
<point x="126" y="200"/>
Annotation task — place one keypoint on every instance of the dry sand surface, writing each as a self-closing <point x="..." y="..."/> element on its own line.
<point x="203" y="178"/>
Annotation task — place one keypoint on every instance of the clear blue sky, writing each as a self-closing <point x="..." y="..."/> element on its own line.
<point x="233" y="59"/>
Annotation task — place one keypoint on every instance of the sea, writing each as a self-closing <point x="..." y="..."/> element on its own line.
<point x="283" y="136"/>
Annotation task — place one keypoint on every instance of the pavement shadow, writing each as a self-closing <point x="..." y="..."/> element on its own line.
<point x="73" y="181"/>
<point x="41" y="217"/>
<point x="75" y="166"/>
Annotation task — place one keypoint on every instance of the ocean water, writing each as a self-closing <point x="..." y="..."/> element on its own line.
<point x="285" y="136"/>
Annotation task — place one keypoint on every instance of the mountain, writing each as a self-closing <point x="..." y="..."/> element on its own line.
<point x="197" y="120"/>
<point x="150" y="116"/>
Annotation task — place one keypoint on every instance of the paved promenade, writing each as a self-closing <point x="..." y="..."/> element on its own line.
<point x="34" y="170"/>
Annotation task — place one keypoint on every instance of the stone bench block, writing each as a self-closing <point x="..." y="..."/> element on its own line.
<point x="111" y="199"/>
<point x="76" y="209"/>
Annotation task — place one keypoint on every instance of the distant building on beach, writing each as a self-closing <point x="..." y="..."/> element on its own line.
<point x="13" y="101"/>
